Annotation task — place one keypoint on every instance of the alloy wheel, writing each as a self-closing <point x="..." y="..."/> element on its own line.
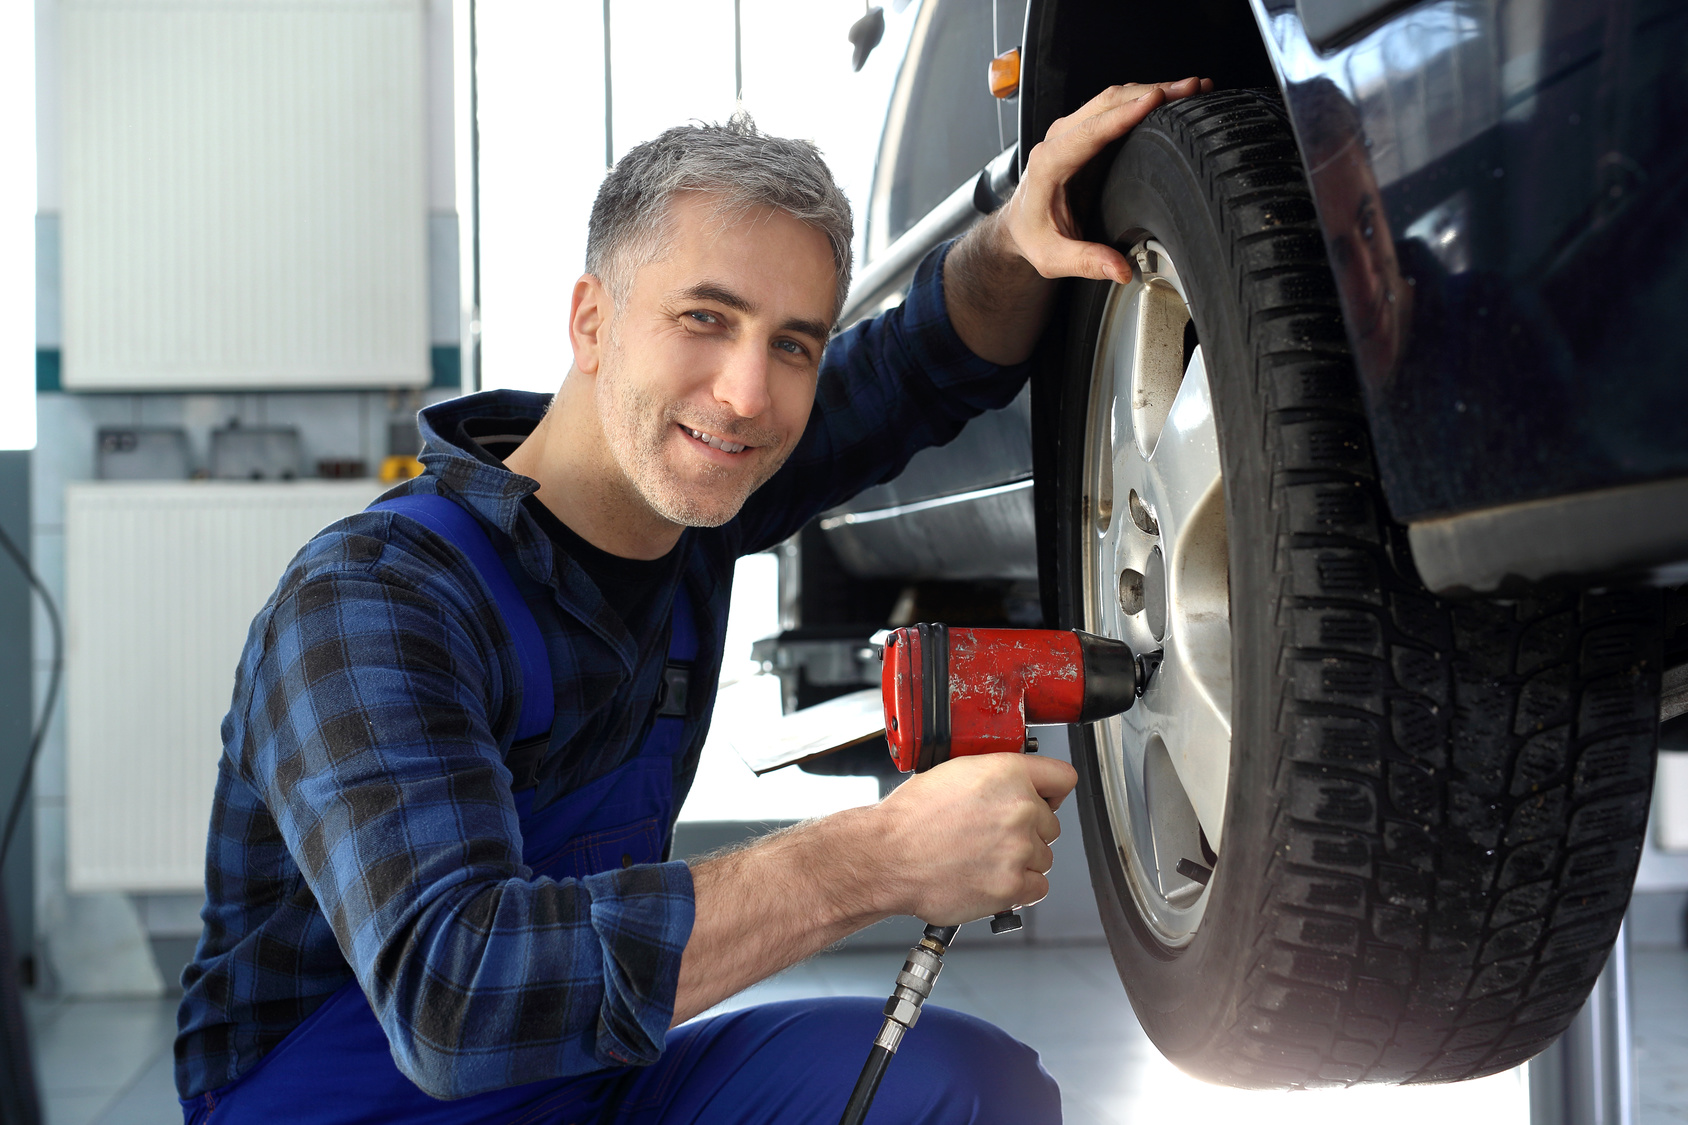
<point x="1156" y="576"/>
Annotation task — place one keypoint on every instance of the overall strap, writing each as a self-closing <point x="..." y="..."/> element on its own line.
<point x="674" y="694"/>
<point x="456" y="526"/>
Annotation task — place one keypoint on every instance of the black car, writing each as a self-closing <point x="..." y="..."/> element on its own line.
<point x="1385" y="447"/>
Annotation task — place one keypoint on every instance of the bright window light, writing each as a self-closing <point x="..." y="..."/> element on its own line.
<point x="672" y="62"/>
<point x="541" y="89"/>
<point x="540" y="84"/>
<point x="724" y="788"/>
<point x="17" y="227"/>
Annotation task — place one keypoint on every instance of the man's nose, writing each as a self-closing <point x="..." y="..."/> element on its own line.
<point x="742" y="383"/>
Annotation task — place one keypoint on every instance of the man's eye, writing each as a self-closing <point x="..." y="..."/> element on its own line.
<point x="791" y="347"/>
<point x="704" y="317"/>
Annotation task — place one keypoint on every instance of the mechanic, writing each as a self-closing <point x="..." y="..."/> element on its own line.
<point x="402" y="908"/>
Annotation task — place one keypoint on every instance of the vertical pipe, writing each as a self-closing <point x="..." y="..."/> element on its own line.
<point x="1618" y="1034"/>
<point x="472" y="374"/>
<point x="738" y="57"/>
<point x="609" y="105"/>
<point x="1588" y="1076"/>
<point x="466" y="162"/>
<point x="996" y="49"/>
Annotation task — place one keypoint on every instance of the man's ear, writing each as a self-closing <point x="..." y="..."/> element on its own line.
<point x="590" y="314"/>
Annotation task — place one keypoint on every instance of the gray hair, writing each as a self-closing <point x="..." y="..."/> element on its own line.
<point x="632" y="216"/>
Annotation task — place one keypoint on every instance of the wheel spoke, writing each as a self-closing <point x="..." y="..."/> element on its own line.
<point x="1197" y="736"/>
<point x="1185" y="463"/>
<point x="1157" y="350"/>
<point x="1196" y="675"/>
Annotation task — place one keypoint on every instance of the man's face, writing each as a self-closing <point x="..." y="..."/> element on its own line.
<point x="1377" y="301"/>
<point x="707" y="373"/>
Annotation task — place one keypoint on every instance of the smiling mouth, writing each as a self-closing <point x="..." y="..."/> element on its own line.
<point x="722" y="444"/>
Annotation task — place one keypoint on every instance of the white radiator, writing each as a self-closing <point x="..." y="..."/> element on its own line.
<point x="161" y="583"/>
<point x="245" y="196"/>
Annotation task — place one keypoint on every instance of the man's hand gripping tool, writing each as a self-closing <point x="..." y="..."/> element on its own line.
<point x="953" y="692"/>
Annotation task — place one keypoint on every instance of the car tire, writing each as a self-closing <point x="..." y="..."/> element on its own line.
<point x="1432" y="810"/>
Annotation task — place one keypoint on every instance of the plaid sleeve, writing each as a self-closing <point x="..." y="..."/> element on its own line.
<point x="888" y="388"/>
<point x="370" y="740"/>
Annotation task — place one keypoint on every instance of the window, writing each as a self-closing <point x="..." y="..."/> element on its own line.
<point x="943" y="124"/>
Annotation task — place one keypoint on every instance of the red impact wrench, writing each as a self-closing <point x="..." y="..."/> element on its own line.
<point x="953" y="692"/>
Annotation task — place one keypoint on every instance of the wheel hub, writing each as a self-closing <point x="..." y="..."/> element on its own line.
<point x="1159" y="579"/>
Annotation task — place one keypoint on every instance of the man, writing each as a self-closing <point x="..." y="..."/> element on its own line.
<point x="406" y="902"/>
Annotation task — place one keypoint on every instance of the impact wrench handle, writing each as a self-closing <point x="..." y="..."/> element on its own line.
<point x="952" y="692"/>
<point x="914" y="985"/>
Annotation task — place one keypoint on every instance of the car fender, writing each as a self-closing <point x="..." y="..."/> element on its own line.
<point x="1502" y="197"/>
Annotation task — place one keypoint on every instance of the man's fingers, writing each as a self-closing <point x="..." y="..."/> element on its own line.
<point x="1115" y="97"/>
<point x="1074" y="147"/>
<point x="1110" y="98"/>
<point x="1104" y="263"/>
<point x="1048" y="826"/>
<point x="1039" y="219"/>
<point x="1033" y="890"/>
<point x="1056" y="256"/>
<point x="1052" y="778"/>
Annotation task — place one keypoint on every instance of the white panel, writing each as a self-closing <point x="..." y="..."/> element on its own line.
<point x="161" y="584"/>
<point x="1672" y="807"/>
<point x="245" y="189"/>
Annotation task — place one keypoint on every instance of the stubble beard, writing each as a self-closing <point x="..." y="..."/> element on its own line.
<point x="639" y="426"/>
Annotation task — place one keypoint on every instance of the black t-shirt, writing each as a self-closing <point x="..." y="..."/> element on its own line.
<point x="630" y="586"/>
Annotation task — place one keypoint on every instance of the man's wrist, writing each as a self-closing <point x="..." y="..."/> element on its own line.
<point x="996" y="300"/>
<point x="847" y="855"/>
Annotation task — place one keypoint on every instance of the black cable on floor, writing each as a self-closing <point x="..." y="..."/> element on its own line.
<point x="51" y="701"/>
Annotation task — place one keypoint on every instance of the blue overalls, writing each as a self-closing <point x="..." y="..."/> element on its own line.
<point x="795" y="1061"/>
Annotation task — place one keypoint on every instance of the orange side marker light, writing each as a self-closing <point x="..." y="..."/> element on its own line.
<point x="1005" y="74"/>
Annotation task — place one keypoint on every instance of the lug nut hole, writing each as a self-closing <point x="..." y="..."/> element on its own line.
<point x="1141" y="516"/>
<point x="1130" y="590"/>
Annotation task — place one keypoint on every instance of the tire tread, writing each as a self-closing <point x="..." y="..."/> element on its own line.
<point x="1463" y="785"/>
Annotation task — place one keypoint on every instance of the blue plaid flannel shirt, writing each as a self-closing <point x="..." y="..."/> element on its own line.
<point x="363" y="823"/>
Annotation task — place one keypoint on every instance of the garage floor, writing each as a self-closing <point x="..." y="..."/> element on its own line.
<point x="108" y="1062"/>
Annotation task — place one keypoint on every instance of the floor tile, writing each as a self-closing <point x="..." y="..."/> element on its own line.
<point x="1076" y="1110"/>
<point x="1660" y="996"/>
<point x="1046" y="998"/>
<point x="151" y="1100"/>
<point x="73" y="1109"/>
<point x="39" y="1013"/>
<point x="1102" y="1078"/>
<point x="108" y="1062"/>
<point x="100" y="1045"/>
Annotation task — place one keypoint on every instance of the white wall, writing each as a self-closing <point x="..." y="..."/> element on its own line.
<point x="97" y="944"/>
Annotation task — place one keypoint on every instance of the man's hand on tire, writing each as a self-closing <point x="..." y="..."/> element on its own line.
<point x="1039" y="219"/>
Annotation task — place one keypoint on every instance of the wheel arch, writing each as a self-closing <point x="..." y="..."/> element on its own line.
<point x="1070" y="50"/>
<point x="1074" y="48"/>
<point x="1483" y="505"/>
